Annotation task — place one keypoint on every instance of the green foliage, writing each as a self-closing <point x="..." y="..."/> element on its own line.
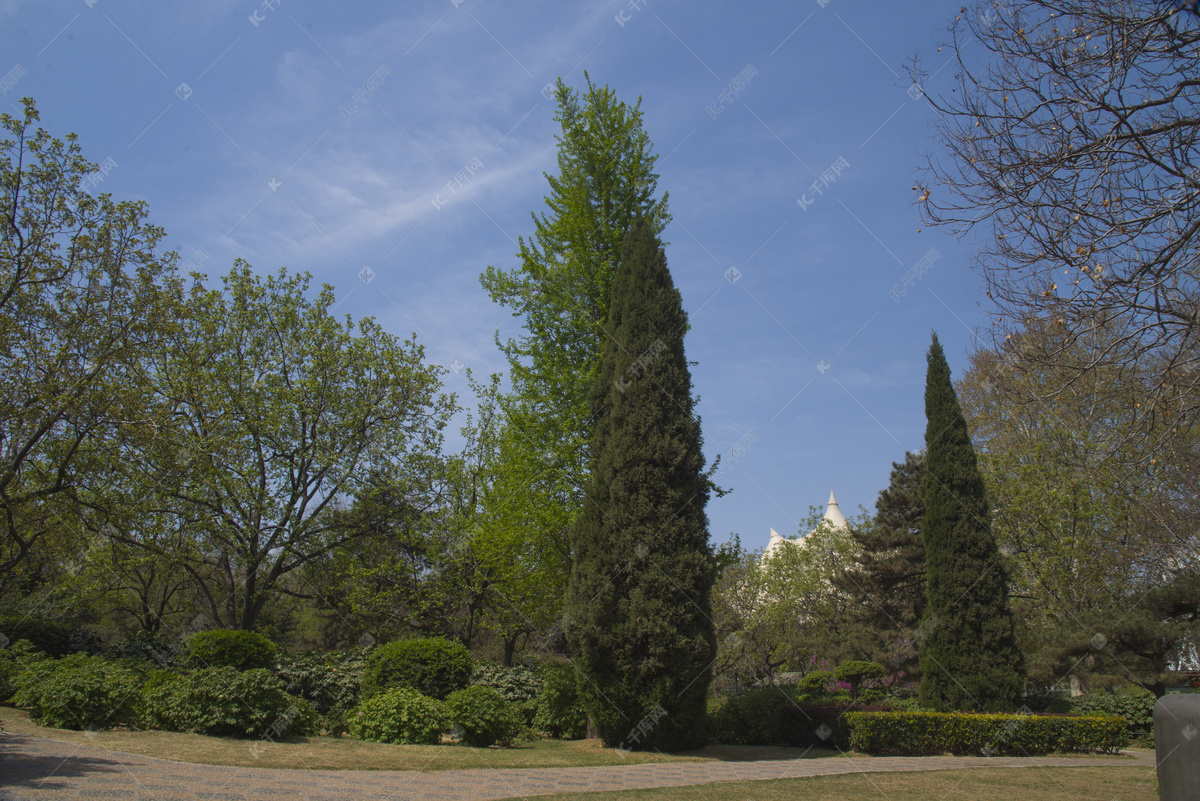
<point x="145" y="646"/>
<point x="47" y="636"/>
<point x="855" y="673"/>
<point x="79" y="692"/>
<point x="483" y="717"/>
<point x="224" y="702"/>
<point x="560" y="711"/>
<point x="13" y="659"/>
<point x="329" y="680"/>
<point x="752" y="718"/>
<point x="815" y="683"/>
<point x="80" y="277"/>
<point x="969" y="655"/>
<point x="887" y="578"/>
<point x="431" y="666"/>
<point x="1136" y="709"/>
<point x="931" y="733"/>
<point x="244" y="650"/>
<point x="400" y="716"/>
<point x="517" y="683"/>
<point x="643" y="573"/>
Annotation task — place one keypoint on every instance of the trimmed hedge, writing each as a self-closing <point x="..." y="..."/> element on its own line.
<point x="243" y="650"/>
<point x="1137" y="710"/>
<point x="79" y="692"/>
<point x="435" y="667"/>
<point x="400" y="716"/>
<point x="821" y="725"/>
<point x="930" y="733"/>
<point x="225" y="702"/>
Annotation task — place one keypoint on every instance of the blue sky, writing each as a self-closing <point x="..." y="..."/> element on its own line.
<point x="237" y="122"/>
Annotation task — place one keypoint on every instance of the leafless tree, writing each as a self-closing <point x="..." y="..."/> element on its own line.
<point x="1069" y="151"/>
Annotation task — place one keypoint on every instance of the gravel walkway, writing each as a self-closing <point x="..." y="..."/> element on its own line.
<point x="34" y="768"/>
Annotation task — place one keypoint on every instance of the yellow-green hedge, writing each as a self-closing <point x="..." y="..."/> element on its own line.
<point x="921" y="733"/>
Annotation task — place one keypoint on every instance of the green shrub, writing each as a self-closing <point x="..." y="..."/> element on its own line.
<point x="400" y="716"/>
<point x="15" y="658"/>
<point x="329" y="680"/>
<point x="1136" y="709"/>
<point x="814" y="684"/>
<point x="147" y="647"/>
<point x="518" y="684"/>
<point x="435" y="667"/>
<point x="856" y="673"/>
<point x="224" y="702"/>
<point x="560" y="711"/>
<point x="928" y="733"/>
<point x="752" y="718"/>
<point x="244" y="650"/>
<point x="52" y="639"/>
<point x="79" y="692"/>
<point x="482" y="717"/>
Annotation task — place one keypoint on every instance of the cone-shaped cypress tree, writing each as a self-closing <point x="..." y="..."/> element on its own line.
<point x="639" y="601"/>
<point x="969" y="654"/>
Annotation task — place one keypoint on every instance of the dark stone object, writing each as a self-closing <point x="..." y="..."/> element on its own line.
<point x="1177" y="746"/>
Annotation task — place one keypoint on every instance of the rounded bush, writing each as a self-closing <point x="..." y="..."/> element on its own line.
<point x="79" y="692"/>
<point x="483" y="717"/>
<point x="560" y="711"/>
<point x="224" y="702"/>
<point x="244" y="650"/>
<point x="435" y="667"/>
<point x="815" y="683"/>
<point x="856" y="673"/>
<point x="400" y="716"/>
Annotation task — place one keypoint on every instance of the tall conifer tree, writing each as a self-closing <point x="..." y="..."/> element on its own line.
<point x="969" y="655"/>
<point x="639" y="599"/>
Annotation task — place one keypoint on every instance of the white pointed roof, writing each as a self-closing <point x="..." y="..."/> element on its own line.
<point x="833" y="514"/>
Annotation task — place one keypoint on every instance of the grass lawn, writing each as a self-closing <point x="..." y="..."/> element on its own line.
<point x="974" y="784"/>
<point x="330" y="753"/>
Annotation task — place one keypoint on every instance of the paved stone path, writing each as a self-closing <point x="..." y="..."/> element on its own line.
<point x="33" y="768"/>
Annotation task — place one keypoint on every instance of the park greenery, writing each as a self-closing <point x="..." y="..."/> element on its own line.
<point x="225" y="510"/>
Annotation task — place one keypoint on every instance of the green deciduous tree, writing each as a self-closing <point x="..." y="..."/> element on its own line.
<point x="269" y="416"/>
<point x="561" y="287"/>
<point x="969" y="657"/>
<point x="79" y="283"/>
<point x="643" y="569"/>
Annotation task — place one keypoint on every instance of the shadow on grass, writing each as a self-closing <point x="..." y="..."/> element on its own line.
<point x="759" y="753"/>
<point x="19" y="768"/>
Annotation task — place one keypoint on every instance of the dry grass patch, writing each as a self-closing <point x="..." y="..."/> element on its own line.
<point x="331" y="753"/>
<point x="971" y="784"/>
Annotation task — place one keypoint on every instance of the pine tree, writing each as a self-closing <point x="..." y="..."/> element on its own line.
<point x="889" y="580"/>
<point x="969" y="654"/>
<point x="639" y="601"/>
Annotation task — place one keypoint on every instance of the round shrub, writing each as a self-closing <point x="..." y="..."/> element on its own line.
<point x="856" y="673"/>
<point x="753" y="718"/>
<point x="244" y="650"/>
<point x="224" y="702"/>
<point x="400" y="716"/>
<point x="79" y="692"/>
<point x="815" y="683"/>
<point x="483" y="717"/>
<point x="435" y="667"/>
<point x="560" y="711"/>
